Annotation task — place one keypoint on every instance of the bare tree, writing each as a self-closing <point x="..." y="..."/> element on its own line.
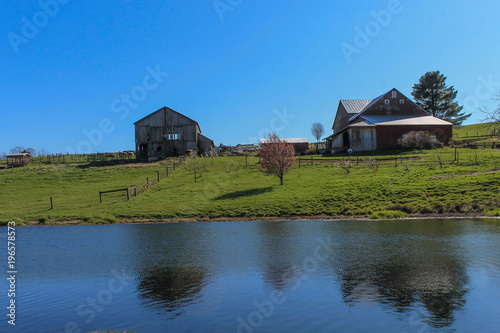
<point x="42" y="152"/>
<point x="317" y="131"/>
<point x="18" y="150"/>
<point x="276" y="156"/>
<point x="31" y="151"/>
<point x="492" y="115"/>
<point x="2" y="155"/>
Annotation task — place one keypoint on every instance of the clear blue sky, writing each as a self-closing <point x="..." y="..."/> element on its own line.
<point x="239" y="69"/>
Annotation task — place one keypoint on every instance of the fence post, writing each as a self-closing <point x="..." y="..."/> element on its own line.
<point x="357" y="158"/>
<point x="194" y="169"/>
<point x="299" y="161"/>
<point x="51" y="203"/>
<point x="312" y="159"/>
<point x="100" y="196"/>
<point x="174" y="165"/>
<point x="396" y="160"/>
<point x="158" y="176"/>
<point x="128" y="195"/>
<point x="167" y="170"/>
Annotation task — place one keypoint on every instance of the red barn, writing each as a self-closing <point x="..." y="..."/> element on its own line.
<point x="379" y="123"/>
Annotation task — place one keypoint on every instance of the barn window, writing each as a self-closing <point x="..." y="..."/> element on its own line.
<point x="401" y="101"/>
<point x="173" y="137"/>
<point x="158" y="148"/>
<point x="394" y="94"/>
<point x="387" y="101"/>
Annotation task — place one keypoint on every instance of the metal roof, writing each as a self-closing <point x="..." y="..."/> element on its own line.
<point x="167" y="108"/>
<point x="361" y="124"/>
<point x="366" y="107"/>
<point x="17" y="155"/>
<point x="404" y="120"/>
<point x="288" y="140"/>
<point x="355" y="105"/>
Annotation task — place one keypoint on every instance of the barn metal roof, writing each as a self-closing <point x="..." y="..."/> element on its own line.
<point x="18" y="155"/>
<point x="366" y="107"/>
<point x="288" y="140"/>
<point x="355" y="105"/>
<point x="167" y="108"/>
<point x="404" y="120"/>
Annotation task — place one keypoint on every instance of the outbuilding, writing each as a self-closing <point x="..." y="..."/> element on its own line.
<point x="300" y="144"/>
<point x="19" y="159"/>
<point x="167" y="132"/>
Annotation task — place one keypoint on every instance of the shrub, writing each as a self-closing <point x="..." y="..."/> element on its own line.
<point x="388" y="214"/>
<point x="419" y="140"/>
<point x="311" y="151"/>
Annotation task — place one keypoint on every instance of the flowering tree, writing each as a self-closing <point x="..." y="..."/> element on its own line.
<point x="276" y="156"/>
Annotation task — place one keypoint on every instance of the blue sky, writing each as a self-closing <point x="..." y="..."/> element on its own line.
<point x="240" y="68"/>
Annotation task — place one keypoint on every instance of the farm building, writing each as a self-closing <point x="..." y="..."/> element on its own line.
<point x="165" y="133"/>
<point x="18" y="159"/>
<point x="379" y="123"/>
<point x="300" y="144"/>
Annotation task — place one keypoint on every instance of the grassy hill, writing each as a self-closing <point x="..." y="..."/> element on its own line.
<point x="430" y="182"/>
<point x="478" y="133"/>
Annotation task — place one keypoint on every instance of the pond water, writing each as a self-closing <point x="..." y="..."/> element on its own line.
<point x="298" y="276"/>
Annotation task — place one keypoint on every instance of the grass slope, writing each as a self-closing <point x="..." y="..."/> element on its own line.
<point x="229" y="188"/>
<point x="479" y="133"/>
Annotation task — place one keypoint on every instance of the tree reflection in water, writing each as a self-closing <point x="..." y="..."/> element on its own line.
<point x="403" y="271"/>
<point x="171" y="289"/>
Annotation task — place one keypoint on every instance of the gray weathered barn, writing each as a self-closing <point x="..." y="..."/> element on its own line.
<point x="378" y="124"/>
<point x="167" y="132"/>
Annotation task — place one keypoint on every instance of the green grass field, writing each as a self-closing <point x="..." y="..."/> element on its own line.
<point x="417" y="183"/>
<point x="478" y="133"/>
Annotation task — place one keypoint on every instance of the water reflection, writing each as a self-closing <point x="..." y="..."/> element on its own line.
<point x="171" y="288"/>
<point x="404" y="268"/>
<point x="170" y="265"/>
<point x="381" y="276"/>
<point x="278" y="252"/>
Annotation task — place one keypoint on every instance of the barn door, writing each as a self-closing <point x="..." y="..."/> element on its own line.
<point x="143" y="151"/>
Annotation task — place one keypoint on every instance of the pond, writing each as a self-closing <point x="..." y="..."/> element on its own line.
<point x="297" y="276"/>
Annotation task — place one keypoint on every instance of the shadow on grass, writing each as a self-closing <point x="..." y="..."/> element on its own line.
<point x="246" y="193"/>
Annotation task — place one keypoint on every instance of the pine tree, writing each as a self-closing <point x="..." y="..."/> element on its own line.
<point x="432" y="95"/>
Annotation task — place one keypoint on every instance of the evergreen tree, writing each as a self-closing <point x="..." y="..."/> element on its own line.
<point x="432" y="95"/>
